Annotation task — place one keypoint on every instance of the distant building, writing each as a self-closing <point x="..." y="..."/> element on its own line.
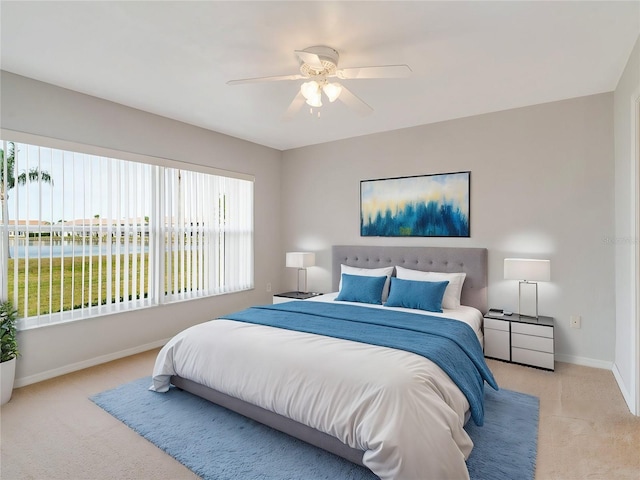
<point x="14" y="226"/>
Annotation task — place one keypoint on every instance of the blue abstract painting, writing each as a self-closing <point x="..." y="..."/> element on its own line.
<point x="421" y="206"/>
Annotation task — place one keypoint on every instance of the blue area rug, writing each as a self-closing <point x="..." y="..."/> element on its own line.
<point x="218" y="444"/>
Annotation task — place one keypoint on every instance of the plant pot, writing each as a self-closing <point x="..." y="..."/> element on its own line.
<point x="7" y="375"/>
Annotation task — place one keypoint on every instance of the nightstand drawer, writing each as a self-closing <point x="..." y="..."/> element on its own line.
<point x="531" y="357"/>
<point x="530" y="342"/>
<point x="529" y="329"/>
<point x="277" y="299"/>
<point x="496" y="344"/>
<point x="496" y="324"/>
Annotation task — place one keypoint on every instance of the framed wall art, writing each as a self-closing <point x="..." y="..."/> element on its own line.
<point x="434" y="205"/>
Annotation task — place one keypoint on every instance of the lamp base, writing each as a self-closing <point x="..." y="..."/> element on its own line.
<point x="528" y="299"/>
<point x="302" y="285"/>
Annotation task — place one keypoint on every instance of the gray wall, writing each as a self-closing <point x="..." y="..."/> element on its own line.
<point x="626" y="241"/>
<point x="542" y="186"/>
<point x="38" y="108"/>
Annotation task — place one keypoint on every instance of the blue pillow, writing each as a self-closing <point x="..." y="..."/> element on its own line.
<point x="358" y="288"/>
<point x="416" y="294"/>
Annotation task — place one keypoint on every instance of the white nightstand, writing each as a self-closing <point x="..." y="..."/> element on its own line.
<point x="519" y="339"/>
<point x="289" y="296"/>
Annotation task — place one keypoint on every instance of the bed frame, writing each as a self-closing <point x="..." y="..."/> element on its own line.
<point x="472" y="261"/>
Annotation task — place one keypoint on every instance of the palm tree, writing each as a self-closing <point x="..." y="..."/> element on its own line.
<point x="33" y="175"/>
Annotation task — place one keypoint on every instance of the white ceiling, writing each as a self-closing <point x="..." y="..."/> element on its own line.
<point x="174" y="58"/>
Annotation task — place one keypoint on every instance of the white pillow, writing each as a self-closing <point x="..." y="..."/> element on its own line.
<point x="369" y="272"/>
<point x="452" y="294"/>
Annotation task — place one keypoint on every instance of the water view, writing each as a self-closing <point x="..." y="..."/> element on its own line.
<point x="69" y="248"/>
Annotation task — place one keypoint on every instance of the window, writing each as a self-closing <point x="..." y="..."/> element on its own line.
<point x="85" y="234"/>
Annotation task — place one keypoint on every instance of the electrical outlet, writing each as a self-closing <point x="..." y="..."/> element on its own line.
<point x="268" y="287"/>
<point x="576" y="321"/>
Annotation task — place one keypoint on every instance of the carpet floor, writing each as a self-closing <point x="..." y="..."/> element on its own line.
<point x="218" y="444"/>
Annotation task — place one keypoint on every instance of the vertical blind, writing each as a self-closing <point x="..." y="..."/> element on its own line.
<point x="84" y="235"/>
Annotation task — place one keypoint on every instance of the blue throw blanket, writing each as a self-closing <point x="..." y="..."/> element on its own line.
<point x="450" y="344"/>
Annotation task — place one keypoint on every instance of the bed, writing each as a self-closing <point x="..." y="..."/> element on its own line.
<point x="394" y="411"/>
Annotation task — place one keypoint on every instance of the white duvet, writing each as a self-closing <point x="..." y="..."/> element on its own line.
<point x="401" y="409"/>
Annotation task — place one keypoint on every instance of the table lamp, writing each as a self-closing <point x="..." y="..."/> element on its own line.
<point x="301" y="260"/>
<point x="528" y="272"/>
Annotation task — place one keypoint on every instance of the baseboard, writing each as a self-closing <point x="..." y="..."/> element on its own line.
<point x="92" y="362"/>
<point x="584" y="361"/>
<point x="628" y="398"/>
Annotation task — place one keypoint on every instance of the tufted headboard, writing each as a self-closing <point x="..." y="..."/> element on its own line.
<point x="472" y="261"/>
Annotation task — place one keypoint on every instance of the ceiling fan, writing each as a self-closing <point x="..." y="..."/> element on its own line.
<point x="317" y="65"/>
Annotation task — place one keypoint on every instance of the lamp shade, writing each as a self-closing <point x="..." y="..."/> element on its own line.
<point x="527" y="269"/>
<point x="315" y="101"/>
<point x="332" y="91"/>
<point x="301" y="259"/>
<point x="310" y="89"/>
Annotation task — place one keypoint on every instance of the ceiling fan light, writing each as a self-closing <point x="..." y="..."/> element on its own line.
<point x="315" y="101"/>
<point x="332" y="91"/>
<point x="310" y="90"/>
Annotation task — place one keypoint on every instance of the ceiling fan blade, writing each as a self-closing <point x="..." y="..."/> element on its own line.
<point x="382" y="71"/>
<point x="351" y="100"/>
<point x="276" y="78"/>
<point x="294" y="106"/>
<point x="310" y="59"/>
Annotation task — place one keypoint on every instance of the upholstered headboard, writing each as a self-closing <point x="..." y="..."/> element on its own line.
<point x="472" y="261"/>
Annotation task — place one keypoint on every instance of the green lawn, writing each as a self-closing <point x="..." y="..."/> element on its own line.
<point x="54" y="271"/>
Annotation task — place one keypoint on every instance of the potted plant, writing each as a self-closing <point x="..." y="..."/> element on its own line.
<point x="9" y="349"/>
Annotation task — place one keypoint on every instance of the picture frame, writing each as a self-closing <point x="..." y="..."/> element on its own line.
<point x="433" y="205"/>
